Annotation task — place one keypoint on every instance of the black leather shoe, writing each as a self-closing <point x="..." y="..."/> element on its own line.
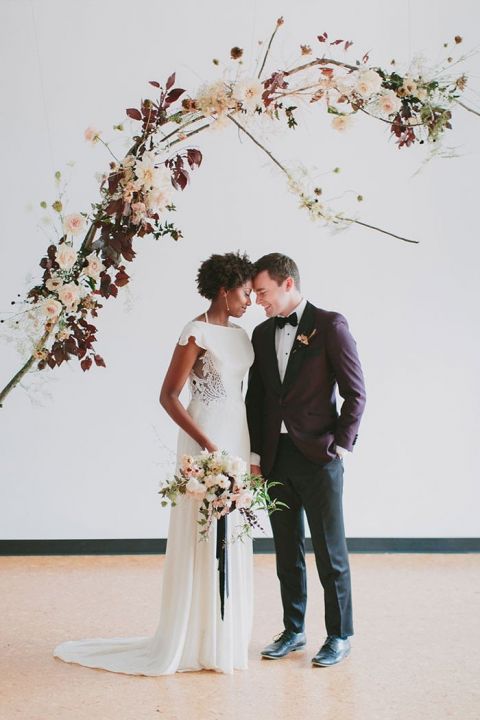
<point x="286" y="642"/>
<point x="332" y="651"/>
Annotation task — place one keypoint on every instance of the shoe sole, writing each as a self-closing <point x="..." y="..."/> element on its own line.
<point x="319" y="664"/>
<point x="279" y="657"/>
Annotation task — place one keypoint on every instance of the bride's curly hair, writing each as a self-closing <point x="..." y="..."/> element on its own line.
<point x="227" y="271"/>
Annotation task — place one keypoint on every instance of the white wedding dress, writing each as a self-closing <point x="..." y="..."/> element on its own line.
<point x="191" y="634"/>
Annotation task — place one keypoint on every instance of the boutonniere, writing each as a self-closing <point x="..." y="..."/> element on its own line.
<point x="304" y="340"/>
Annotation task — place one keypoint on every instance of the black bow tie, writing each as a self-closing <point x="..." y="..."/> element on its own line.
<point x="282" y="321"/>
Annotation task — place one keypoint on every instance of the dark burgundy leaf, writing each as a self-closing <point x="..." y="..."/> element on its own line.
<point x="99" y="361"/>
<point x="170" y="82"/>
<point x="180" y="179"/>
<point x="113" y="181"/>
<point x="194" y="158"/>
<point x="173" y="95"/>
<point x="154" y="83"/>
<point x="134" y="114"/>
<point x="71" y="345"/>
<point x="114" y="206"/>
<point x="86" y="363"/>
<point x="121" y="278"/>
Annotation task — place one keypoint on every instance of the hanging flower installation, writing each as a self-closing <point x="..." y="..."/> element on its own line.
<point x="88" y="263"/>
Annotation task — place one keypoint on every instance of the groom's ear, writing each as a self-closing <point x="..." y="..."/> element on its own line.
<point x="289" y="284"/>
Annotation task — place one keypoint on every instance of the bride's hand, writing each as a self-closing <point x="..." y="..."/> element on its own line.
<point x="211" y="447"/>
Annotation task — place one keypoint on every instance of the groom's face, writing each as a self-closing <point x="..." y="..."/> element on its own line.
<point x="274" y="298"/>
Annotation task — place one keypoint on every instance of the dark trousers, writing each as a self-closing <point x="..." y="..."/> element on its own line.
<point x="317" y="489"/>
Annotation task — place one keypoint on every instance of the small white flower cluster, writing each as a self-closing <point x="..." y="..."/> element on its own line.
<point x="226" y="96"/>
<point x="301" y="185"/>
<point x="149" y="180"/>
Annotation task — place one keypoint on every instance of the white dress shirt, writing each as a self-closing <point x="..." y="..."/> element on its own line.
<point x="284" y="339"/>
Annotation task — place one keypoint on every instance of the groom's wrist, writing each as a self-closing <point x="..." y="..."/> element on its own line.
<point x="340" y="451"/>
<point x="254" y="459"/>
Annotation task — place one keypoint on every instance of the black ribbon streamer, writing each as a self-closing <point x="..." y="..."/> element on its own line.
<point x="222" y="557"/>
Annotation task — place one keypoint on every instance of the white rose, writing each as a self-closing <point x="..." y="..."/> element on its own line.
<point x="74" y="223"/>
<point x="389" y="103"/>
<point x="94" y="267"/>
<point x="237" y="467"/>
<point x="54" y="283"/>
<point x="51" y="308"/>
<point x="368" y="83"/>
<point x="244" y="500"/>
<point x="68" y="295"/>
<point x="195" y="488"/>
<point x="66" y="256"/>
<point x="342" y="122"/>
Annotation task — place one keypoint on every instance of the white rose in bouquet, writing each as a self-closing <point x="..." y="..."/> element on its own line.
<point x="244" y="499"/>
<point x="195" y="487"/>
<point x="236" y="467"/>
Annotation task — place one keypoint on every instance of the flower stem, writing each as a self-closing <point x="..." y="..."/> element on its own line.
<point x="268" y="49"/>
<point x="465" y="107"/>
<point x="381" y="230"/>
<point x="254" y="139"/>
<point x="279" y="164"/>
<point x="26" y="367"/>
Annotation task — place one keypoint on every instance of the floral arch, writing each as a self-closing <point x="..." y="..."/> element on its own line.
<point x="89" y="260"/>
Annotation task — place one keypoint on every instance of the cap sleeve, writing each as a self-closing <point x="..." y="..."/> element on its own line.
<point x="195" y="330"/>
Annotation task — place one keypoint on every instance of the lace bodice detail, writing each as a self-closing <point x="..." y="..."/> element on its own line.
<point x="218" y="373"/>
<point x="205" y="381"/>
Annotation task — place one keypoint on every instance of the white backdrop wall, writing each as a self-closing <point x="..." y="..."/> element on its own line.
<point x="84" y="459"/>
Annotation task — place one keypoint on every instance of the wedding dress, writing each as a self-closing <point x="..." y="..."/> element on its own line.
<point x="191" y="634"/>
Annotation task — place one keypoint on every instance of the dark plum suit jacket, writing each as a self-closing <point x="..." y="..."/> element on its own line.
<point x="305" y="400"/>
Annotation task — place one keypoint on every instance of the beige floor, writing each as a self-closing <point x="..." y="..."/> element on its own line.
<point x="416" y="653"/>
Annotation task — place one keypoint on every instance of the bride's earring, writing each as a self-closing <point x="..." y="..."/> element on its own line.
<point x="226" y="301"/>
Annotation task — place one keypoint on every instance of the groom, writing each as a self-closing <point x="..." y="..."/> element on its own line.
<point x="298" y="439"/>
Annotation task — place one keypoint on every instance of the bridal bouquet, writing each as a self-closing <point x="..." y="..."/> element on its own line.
<point x="222" y="482"/>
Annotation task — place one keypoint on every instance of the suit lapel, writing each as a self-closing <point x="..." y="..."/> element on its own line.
<point x="297" y="353"/>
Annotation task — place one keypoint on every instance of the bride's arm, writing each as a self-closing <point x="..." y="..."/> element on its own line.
<point x="183" y="360"/>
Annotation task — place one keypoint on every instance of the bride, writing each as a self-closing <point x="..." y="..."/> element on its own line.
<point x="214" y="355"/>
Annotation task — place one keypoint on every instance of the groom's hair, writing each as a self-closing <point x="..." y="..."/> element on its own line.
<point x="279" y="267"/>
